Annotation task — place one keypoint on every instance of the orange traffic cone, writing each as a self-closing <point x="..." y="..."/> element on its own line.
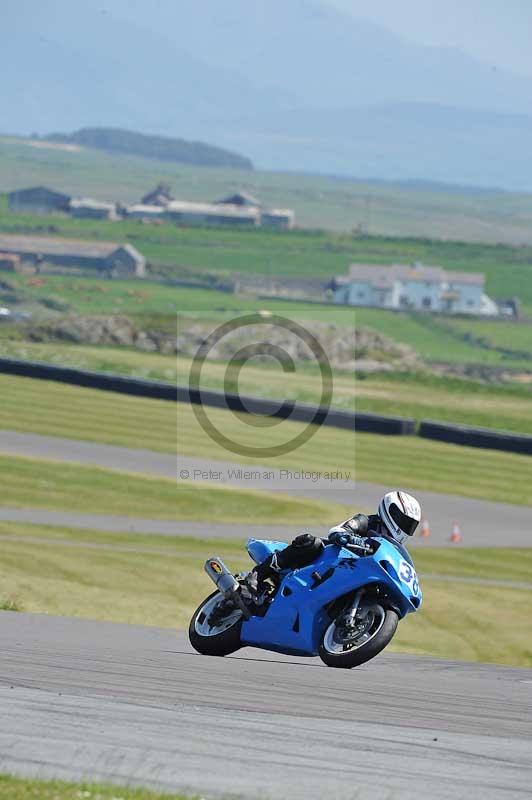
<point x="456" y="536"/>
<point x="425" y="529"/>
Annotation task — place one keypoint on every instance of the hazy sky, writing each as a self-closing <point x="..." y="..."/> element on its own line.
<point x="495" y="31"/>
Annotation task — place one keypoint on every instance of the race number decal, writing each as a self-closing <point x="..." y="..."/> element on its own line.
<point x="408" y="574"/>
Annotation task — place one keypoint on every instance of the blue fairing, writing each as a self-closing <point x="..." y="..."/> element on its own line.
<point x="261" y="549"/>
<point x="297" y="617"/>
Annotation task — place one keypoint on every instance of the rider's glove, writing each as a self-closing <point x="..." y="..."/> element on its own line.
<point x="341" y="537"/>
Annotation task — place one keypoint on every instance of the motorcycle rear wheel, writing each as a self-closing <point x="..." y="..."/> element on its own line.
<point x="346" y="649"/>
<point x="215" y="640"/>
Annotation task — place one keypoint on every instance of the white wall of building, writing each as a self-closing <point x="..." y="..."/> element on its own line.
<point x="360" y="294"/>
<point x="469" y="298"/>
<point x="419" y="295"/>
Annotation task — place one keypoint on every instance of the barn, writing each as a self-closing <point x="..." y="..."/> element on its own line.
<point x="87" y="208"/>
<point x="37" y="200"/>
<point x="105" y="257"/>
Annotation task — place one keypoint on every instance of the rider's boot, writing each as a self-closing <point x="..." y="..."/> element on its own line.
<point x="253" y="593"/>
<point x="253" y="590"/>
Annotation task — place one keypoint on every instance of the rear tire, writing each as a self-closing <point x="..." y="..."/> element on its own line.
<point x="220" y="643"/>
<point x="358" y="654"/>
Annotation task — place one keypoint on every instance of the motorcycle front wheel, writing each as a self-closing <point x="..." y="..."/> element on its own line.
<point x="213" y="634"/>
<point x="349" y="646"/>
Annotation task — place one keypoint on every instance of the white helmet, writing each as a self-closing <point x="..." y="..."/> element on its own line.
<point x="400" y="513"/>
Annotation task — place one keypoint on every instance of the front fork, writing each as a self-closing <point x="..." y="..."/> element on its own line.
<point x="351" y="613"/>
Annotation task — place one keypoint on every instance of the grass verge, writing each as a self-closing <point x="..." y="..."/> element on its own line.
<point x="470" y="623"/>
<point x="59" y="410"/>
<point x="417" y="395"/>
<point x="102" y="576"/>
<point x="29" y="483"/>
<point x="10" y="604"/>
<point x="13" y="788"/>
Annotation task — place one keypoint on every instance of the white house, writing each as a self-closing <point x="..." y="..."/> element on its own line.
<point x="415" y="287"/>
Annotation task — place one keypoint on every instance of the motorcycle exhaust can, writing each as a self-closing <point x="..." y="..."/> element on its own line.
<point x="226" y="583"/>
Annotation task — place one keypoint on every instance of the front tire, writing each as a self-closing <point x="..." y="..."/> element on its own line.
<point x="347" y="648"/>
<point x="214" y="640"/>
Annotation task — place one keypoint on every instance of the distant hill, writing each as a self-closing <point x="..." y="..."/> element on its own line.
<point x="396" y="142"/>
<point x="294" y="84"/>
<point x="117" y="140"/>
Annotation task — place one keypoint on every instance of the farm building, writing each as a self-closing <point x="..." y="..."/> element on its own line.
<point x="143" y="211"/>
<point x="239" y="199"/>
<point x="37" y="200"/>
<point x="278" y="218"/>
<point x="268" y="217"/>
<point x="160" y="196"/>
<point x="212" y="214"/>
<point x="108" y="257"/>
<point x="87" y="208"/>
<point x="239" y="209"/>
<point x="414" y="287"/>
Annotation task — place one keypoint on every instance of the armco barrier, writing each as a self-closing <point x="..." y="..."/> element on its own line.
<point x="91" y="380"/>
<point x="476" y="437"/>
<point x="371" y="423"/>
<point x="301" y="412"/>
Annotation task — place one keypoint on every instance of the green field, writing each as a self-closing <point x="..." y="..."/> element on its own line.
<point x="499" y="343"/>
<point x="13" y="788"/>
<point x="176" y="250"/>
<point x="101" y="576"/>
<point x="59" y="410"/>
<point x="384" y="208"/>
<point x="33" y="483"/>
<point x="421" y="396"/>
<point x="495" y="334"/>
<point x="447" y="400"/>
<point x="454" y="341"/>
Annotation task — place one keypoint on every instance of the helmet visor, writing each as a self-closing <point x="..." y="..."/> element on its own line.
<point x="407" y="524"/>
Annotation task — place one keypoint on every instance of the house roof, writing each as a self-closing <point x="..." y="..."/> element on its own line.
<point x="419" y="273"/>
<point x="212" y="209"/>
<point x="88" y="202"/>
<point x="471" y="278"/>
<point x="32" y="190"/>
<point x="130" y="250"/>
<point x="47" y="245"/>
<point x="370" y="273"/>
<point x="239" y="199"/>
<point x="385" y="276"/>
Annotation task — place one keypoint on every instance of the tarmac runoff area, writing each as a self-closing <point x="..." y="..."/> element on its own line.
<point x="482" y="524"/>
<point x="136" y="705"/>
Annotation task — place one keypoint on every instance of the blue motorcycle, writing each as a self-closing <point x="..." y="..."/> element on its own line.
<point x="344" y="607"/>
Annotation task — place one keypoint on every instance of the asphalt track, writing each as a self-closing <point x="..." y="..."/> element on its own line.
<point x="482" y="523"/>
<point x="121" y="524"/>
<point x="131" y="704"/>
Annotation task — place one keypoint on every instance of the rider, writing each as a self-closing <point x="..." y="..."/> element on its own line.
<point x="397" y="518"/>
